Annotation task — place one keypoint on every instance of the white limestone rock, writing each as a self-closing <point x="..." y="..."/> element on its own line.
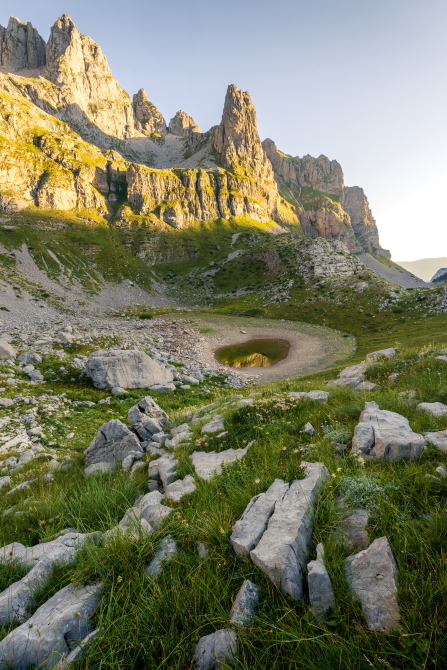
<point x="165" y="552"/>
<point x="434" y="408"/>
<point x="214" y="426"/>
<point x="384" y="435"/>
<point x="321" y="593"/>
<point x="180" y="488"/>
<point x="147" y="418"/>
<point x="111" y="444"/>
<point x="7" y="351"/>
<point x="208" y="465"/>
<point x="129" y="369"/>
<point x="214" y="649"/>
<point x="244" y="606"/>
<point x="248" y="530"/>
<point x="372" y="576"/>
<point x="382" y="354"/>
<point x="282" y="551"/>
<point x="438" y="438"/>
<point x="318" y="396"/>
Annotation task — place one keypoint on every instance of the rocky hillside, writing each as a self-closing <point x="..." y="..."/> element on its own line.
<point x="165" y="172"/>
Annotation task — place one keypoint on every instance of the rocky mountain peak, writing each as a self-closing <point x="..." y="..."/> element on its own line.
<point x="237" y="138"/>
<point x="21" y="46"/>
<point x="182" y="124"/>
<point x="147" y="117"/>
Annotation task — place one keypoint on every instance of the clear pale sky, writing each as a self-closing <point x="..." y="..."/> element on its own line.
<point x="360" y="81"/>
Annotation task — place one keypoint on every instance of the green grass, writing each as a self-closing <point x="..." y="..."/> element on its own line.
<point x="156" y="623"/>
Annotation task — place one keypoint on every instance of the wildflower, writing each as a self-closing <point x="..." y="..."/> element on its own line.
<point x="77" y="614"/>
<point x="257" y="481"/>
<point x="295" y="451"/>
<point x="338" y="469"/>
<point x="284" y="448"/>
<point x="333" y="475"/>
<point x="120" y="579"/>
<point x="222" y="531"/>
<point x="361" y="461"/>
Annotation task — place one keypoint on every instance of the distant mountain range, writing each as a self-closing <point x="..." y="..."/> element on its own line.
<point x="425" y="268"/>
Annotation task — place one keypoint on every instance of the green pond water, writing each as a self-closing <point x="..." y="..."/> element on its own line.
<point x="261" y="353"/>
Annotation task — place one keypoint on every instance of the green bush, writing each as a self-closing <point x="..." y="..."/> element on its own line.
<point x="146" y="315"/>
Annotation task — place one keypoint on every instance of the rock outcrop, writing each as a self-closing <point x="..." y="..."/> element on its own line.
<point x="183" y="125"/>
<point x="147" y="117"/>
<point x="21" y="46"/>
<point x="126" y="369"/>
<point x="440" y="276"/>
<point x="355" y="203"/>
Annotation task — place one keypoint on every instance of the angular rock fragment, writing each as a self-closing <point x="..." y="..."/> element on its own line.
<point x="309" y="429"/>
<point x="214" y="426"/>
<point x="352" y="528"/>
<point x="384" y="435"/>
<point x="7" y="351"/>
<point x="112" y="444"/>
<point x="208" y="465"/>
<point x="248" y="530"/>
<point x="28" y="557"/>
<point x="244" y="606"/>
<point x="354" y="371"/>
<point x="164" y="468"/>
<point x="383" y="353"/>
<point x="214" y="649"/>
<point x="30" y="357"/>
<point x="321" y="593"/>
<point x="155" y="514"/>
<point x="78" y="651"/>
<point x="180" y="488"/>
<point x="438" y="438"/>
<point x="321" y="396"/>
<point x="99" y="469"/>
<point x="147" y="418"/>
<point x="57" y="626"/>
<point x="282" y="551"/>
<point x="165" y="552"/>
<point x="129" y="369"/>
<point x="372" y="576"/>
<point x="433" y="408"/>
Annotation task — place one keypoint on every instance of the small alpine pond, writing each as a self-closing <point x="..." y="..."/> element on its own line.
<point x="256" y="353"/>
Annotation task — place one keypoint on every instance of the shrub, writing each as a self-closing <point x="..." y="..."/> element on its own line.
<point x="145" y="315"/>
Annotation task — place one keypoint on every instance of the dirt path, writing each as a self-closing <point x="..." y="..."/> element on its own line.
<point x="312" y="348"/>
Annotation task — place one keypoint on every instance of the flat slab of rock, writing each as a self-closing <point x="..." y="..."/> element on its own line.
<point x="383" y="353"/>
<point x="244" y="606"/>
<point x="128" y="369"/>
<point x="214" y="426"/>
<point x="47" y="637"/>
<point x="208" y="465"/>
<point x="354" y="371"/>
<point x="99" y="468"/>
<point x="248" y="530"/>
<point x="180" y="488"/>
<point x="317" y="396"/>
<point x="321" y="593"/>
<point x="212" y="650"/>
<point x="112" y="443"/>
<point x="433" y="408"/>
<point x="283" y="548"/>
<point x="438" y="439"/>
<point x="28" y="557"/>
<point x="372" y="576"/>
<point x="384" y="435"/>
<point x="165" y="552"/>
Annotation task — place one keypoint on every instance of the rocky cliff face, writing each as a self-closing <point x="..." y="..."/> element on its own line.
<point x="182" y="124"/>
<point x="21" y="46"/>
<point x="350" y="221"/>
<point x="147" y="117"/>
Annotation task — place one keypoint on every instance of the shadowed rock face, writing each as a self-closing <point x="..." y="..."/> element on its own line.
<point x="21" y="46"/>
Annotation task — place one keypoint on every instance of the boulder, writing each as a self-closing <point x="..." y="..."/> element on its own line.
<point x="214" y="649"/>
<point x="112" y="443"/>
<point x="128" y="369"/>
<point x="147" y="418"/>
<point x="321" y="396"/>
<point x="165" y="552"/>
<point x="433" y="408"/>
<point x="383" y="353"/>
<point x="384" y="435"/>
<point x="321" y="593"/>
<point x="30" y="357"/>
<point x="29" y="557"/>
<point x="208" y="465"/>
<point x="214" y="426"/>
<point x="282" y="551"/>
<point x="180" y="488"/>
<point x="57" y="626"/>
<point x="438" y="439"/>
<point x="248" y="530"/>
<point x="372" y="576"/>
<point x="7" y="351"/>
<point x="244" y="606"/>
<point x="354" y="371"/>
<point x="6" y="402"/>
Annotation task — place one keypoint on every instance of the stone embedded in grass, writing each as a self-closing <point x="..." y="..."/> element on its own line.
<point x="202" y="550"/>
<point x="7" y="351"/>
<point x="372" y="576"/>
<point x="282" y="551"/>
<point x="28" y="557"/>
<point x="48" y="635"/>
<point x="248" y="530"/>
<point x="117" y="390"/>
<point x="208" y="465"/>
<point x="384" y="435"/>
<point x="4" y="481"/>
<point x="112" y="443"/>
<point x="357" y="371"/>
<point x="78" y="651"/>
<point x="309" y="429"/>
<point x="244" y="606"/>
<point x="147" y="418"/>
<point x="351" y="530"/>
<point x="214" y="649"/>
<point x="163" y="387"/>
<point x="214" y="426"/>
<point x="163" y="468"/>
<point x="30" y="357"/>
<point x="244" y="401"/>
<point x="441" y="471"/>
<point x="125" y="368"/>
<point x="434" y="408"/>
<point x="438" y="439"/>
<point x="6" y="402"/>
<point x="99" y="468"/>
<point x="180" y="488"/>
<point x="383" y="353"/>
<point x="165" y="552"/>
<point x="318" y="396"/>
<point x="321" y="593"/>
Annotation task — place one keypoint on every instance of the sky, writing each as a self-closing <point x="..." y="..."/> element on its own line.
<point x="360" y="81"/>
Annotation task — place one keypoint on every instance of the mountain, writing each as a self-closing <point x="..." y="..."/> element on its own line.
<point x="81" y="141"/>
<point x="425" y="267"/>
<point x="440" y="277"/>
